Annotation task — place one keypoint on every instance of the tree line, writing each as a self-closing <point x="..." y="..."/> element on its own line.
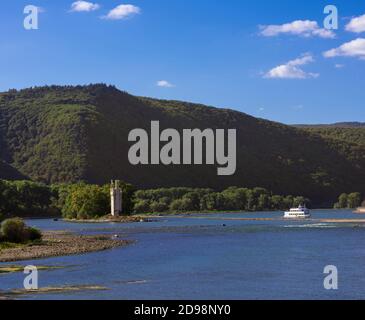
<point x="349" y="201"/>
<point x="85" y="201"/>
<point x="232" y="199"/>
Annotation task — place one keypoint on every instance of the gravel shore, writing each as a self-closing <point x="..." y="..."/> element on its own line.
<point x="56" y="244"/>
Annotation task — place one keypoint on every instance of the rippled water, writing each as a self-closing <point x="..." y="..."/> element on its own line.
<point x="212" y="257"/>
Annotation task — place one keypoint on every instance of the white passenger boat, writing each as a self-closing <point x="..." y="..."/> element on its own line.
<point x="298" y="213"/>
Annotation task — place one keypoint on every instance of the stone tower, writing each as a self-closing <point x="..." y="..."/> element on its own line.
<point x="115" y="198"/>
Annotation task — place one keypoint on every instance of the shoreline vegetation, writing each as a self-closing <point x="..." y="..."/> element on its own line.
<point x="87" y="201"/>
<point x="84" y="201"/>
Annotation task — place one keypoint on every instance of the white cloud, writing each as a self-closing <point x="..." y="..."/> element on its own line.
<point x="164" y="84"/>
<point x="339" y="66"/>
<point x="304" y="28"/>
<point x="122" y="11"/>
<point x="84" y="6"/>
<point x="354" y="48"/>
<point x="356" y="25"/>
<point x="292" y="70"/>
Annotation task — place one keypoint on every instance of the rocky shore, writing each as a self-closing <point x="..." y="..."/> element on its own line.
<point x="55" y="244"/>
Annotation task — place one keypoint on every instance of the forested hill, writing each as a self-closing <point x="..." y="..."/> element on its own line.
<point x="334" y="125"/>
<point x="66" y="134"/>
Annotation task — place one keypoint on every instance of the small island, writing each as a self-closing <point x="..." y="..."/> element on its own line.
<point x="19" y="242"/>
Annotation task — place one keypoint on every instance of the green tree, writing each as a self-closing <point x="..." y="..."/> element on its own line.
<point x="142" y="206"/>
<point x="87" y="201"/>
<point x="127" y="197"/>
<point x="277" y="202"/>
<point x="299" y="201"/>
<point x="342" y="201"/>
<point x="182" y="205"/>
<point x="235" y="198"/>
<point x="19" y="198"/>
<point x="208" y="202"/>
<point x="193" y="198"/>
<point x="288" y="202"/>
<point x="263" y="202"/>
<point x="354" y="200"/>
<point x="159" y="207"/>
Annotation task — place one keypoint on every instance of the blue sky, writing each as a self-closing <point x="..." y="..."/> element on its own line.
<point x="206" y="51"/>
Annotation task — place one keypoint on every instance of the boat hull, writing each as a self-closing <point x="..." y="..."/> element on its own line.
<point x="297" y="215"/>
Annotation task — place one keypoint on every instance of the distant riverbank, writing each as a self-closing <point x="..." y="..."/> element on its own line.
<point x="55" y="244"/>
<point x="109" y="219"/>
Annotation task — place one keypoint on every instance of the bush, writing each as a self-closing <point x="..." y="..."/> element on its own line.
<point x="34" y="234"/>
<point x="15" y="231"/>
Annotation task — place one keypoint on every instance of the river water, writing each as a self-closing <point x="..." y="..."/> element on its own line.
<point x="211" y="257"/>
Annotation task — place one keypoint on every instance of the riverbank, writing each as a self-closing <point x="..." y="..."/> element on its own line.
<point x="215" y="212"/>
<point x="360" y="210"/>
<point x="56" y="244"/>
<point x="111" y="219"/>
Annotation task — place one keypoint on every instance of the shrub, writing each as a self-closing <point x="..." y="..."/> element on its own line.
<point x="34" y="234"/>
<point x="15" y="231"/>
